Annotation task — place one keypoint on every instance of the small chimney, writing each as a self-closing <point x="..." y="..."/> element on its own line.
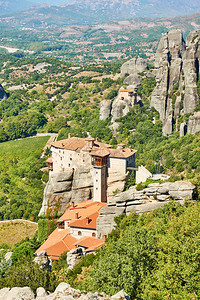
<point x="104" y="236"/>
<point x="76" y="215"/>
<point x="69" y="135"/>
<point x="87" y="220"/>
<point x="97" y="139"/>
<point x="72" y="204"/>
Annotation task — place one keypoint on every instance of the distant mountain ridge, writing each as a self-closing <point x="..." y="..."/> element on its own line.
<point x="88" y="11"/>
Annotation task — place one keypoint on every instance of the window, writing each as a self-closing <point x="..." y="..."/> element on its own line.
<point x="96" y="188"/>
<point x="93" y="234"/>
<point x="70" y="158"/>
<point x="96" y="180"/>
<point x="69" y="165"/>
<point x="79" y="233"/>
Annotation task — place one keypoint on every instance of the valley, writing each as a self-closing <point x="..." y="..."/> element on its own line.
<point x="88" y="101"/>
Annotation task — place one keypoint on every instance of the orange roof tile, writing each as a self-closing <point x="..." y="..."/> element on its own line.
<point x="126" y="152"/>
<point x="101" y="152"/>
<point x="73" y="144"/>
<point x="83" y="209"/>
<point x="76" y="144"/>
<point x="89" y="242"/>
<point x="86" y="223"/>
<point x="127" y="90"/>
<point x="58" y="242"/>
<point x="55" y="237"/>
<point x="49" y="160"/>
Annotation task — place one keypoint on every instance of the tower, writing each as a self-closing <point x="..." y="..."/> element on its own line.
<point x="99" y="162"/>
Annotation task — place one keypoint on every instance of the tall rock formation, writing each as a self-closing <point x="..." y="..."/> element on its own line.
<point x="77" y="186"/>
<point x="177" y="73"/>
<point x="124" y="100"/>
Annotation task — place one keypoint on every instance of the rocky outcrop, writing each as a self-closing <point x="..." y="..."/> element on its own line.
<point x="105" y="109"/>
<point x="193" y="125"/>
<point x="62" y="292"/>
<point x="133" y="66"/>
<point x="62" y="188"/>
<point x="123" y="102"/>
<point x="3" y="94"/>
<point x="77" y="186"/>
<point x="73" y="257"/>
<point x="176" y="71"/>
<point x="42" y="260"/>
<point x="148" y="199"/>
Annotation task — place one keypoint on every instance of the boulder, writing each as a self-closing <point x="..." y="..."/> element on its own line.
<point x="41" y="293"/>
<point x="42" y="259"/>
<point x="19" y="293"/>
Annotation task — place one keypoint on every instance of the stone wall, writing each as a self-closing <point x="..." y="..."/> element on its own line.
<point x="148" y="199"/>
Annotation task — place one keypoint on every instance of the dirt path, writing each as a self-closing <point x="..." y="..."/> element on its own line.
<point x="16" y="220"/>
<point x="53" y="138"/>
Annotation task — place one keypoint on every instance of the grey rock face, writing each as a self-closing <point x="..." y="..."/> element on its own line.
<point x="122" y="105"/>
<point x="63" y="292"/>
<point x="42" y="260"/>
<point x="19" y="293"/>
<point x="3" y="95"/>
<point x="193" y="125"/>
<point x="176" y="71"/>
<point x="105" y="109"/>
<point x="73" y="257"/>
<point x="148" y="199"/>
<point x="183" y="129"/>
<point x="62" y="188"/>
<point x="133" y="66"/>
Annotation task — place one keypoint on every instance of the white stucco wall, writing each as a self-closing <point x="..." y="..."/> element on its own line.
<point x="85" y="232"/>
<point x="116" y="165"/>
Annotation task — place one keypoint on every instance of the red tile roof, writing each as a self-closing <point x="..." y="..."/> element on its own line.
<point x="89" y="243"/>
<point x="58" y="242"/>
<point x="127" y="90"/>
<point x="101" y="149"/>
<point x="89" y="223"/>
<point x="84" y="209"/>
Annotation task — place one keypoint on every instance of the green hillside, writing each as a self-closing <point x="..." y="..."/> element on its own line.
<point x="21" y="189"/>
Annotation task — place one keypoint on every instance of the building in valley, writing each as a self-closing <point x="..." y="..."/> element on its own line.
<point x="75" y="228"/>
<point x="100" y="157"/>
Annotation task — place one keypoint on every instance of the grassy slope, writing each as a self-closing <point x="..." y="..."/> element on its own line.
<point x="20" y="178"/>
<point x="15" y="231"/>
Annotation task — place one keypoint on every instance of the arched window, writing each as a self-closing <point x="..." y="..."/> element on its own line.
<point x="79" y="233"/>
<point x="93" y="234"/>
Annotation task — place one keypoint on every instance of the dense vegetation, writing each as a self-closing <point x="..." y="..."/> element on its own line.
<point x="153" y="256"/>
<point x="20" y="178"/>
